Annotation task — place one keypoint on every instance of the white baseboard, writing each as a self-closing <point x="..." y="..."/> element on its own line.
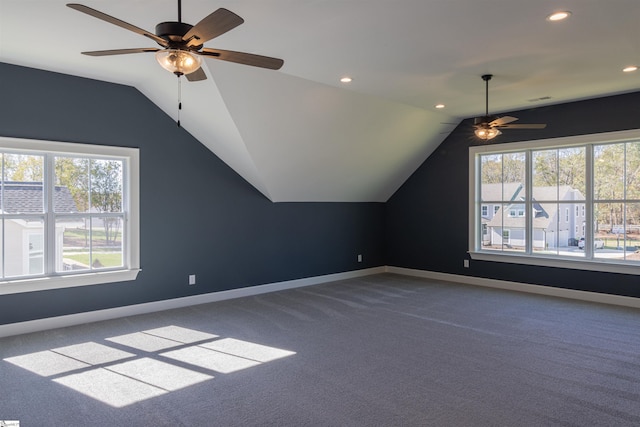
<point x="132" y="310"/>
<point x="521" y="287"/>
<point x="150" y="307"/>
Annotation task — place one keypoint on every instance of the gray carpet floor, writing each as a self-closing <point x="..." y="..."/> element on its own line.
<point x="383" y="350"/>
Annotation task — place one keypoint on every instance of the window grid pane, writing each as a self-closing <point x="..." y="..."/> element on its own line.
<point x="76" y="243"/>
<point x="23" y="246"/>
<point x="106" y="242"/>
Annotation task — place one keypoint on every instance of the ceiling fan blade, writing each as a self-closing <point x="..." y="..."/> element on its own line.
<point x="244" y="58"/>
<point x="120" y="51"/>
<point x="196" y="76"/>
<point x="115" y="21"/>
<point x="215" y="24"/>
<point x="524" y="126"/>
<point x="503" y="121"/>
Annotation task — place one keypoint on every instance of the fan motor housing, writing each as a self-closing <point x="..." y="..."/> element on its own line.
<point x="173" y="32"/>
<point x="484" y="120"/>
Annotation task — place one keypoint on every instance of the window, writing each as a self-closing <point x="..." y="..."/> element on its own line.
<point x="68" y="214"/>
<point x="595" y="175"/>
<point x="496" y="208"/>
<point x="485" y="210"/>
<point x="516" y="211"/>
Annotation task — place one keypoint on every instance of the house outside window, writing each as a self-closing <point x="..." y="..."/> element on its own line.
<point x="68" y="213"/>
<point x="592" y="175"/>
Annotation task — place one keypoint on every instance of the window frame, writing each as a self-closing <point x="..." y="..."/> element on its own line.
<point x="475" y="248"/>
<point x="131" y="208"/>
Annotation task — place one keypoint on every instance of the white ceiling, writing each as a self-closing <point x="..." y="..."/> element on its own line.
<point x="298" y="134"/>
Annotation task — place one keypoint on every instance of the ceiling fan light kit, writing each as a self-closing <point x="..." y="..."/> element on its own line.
<point x="487" y="132"/>
<point x="488" y="127"/>
<point x="178" y="61"/>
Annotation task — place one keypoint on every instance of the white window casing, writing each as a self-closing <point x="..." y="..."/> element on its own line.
<point x="590" y="259"/>
<point x="53" y="278"/>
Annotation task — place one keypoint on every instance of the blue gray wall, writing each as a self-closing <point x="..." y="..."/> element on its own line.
<point x="197" y="215"/>
<point x="427" y="218"/>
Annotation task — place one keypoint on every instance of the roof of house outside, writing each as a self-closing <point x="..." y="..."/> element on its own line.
<point x="541" y="220"/>
<point x="500" y="191"/>
<point x="515" y="190"/>
<point x="27" y="198"/>
<point x="545" y="212"/>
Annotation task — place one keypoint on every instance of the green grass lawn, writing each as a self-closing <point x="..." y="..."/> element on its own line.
<point x="107" y="259"/>
<point x="80" y="237"/>
<point x="612" y="242"/>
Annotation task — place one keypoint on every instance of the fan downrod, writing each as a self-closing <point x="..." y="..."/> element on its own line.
<point x="486" y="78"/>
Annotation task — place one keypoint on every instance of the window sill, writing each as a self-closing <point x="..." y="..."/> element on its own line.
<point x="560" y="262"/>
<point x="68" y="281"/>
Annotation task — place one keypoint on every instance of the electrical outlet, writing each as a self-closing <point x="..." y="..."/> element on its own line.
<point x="466" y="263"/>
<point x="359" y="258"/>
<point x="192" y="279"/>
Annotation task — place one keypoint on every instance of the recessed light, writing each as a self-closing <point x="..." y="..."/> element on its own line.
<point x="559" y="16"/>
<point x="439" y="106"/>
<point x="346" y="79"/>
<point x="630" y="68"/>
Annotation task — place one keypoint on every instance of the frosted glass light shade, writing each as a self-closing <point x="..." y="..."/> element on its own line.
<point x="178" y="61"/>
<point x="487" y="132"/>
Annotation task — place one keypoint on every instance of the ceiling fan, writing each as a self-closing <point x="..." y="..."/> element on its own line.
<point x="488" y="127"/>
<point x="181" y="44"/>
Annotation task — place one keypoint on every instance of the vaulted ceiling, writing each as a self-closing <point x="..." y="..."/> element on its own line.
<point x="299" y="134"/>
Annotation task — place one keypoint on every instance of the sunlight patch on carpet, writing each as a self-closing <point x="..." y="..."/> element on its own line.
<point x="183" y="335"/>
<point x="209" y="359"/>
<point x="93" y="353"/>
<point x="145" y="342"/>
<point x="248" y="350"/>
<point x="119" y="378"/>
<point x="160" y="374"/>
<point x="109" y="387"/>
<point x="46" y="363"/>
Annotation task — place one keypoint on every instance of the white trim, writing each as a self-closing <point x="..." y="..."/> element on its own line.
<point x="39" y="145"/>
<point x="568" y="141"/>
<point x="132" y="310"/>
<point x="520" y="287"/>
<point x="574" y="263"/>
<point x="69" y="281"/>
<point x="150" y="307"/>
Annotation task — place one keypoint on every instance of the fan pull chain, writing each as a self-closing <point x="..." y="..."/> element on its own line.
<point x="179" y="99"/>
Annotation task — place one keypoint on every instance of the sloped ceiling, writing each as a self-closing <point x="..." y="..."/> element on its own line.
<point x="298" y="134"/>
